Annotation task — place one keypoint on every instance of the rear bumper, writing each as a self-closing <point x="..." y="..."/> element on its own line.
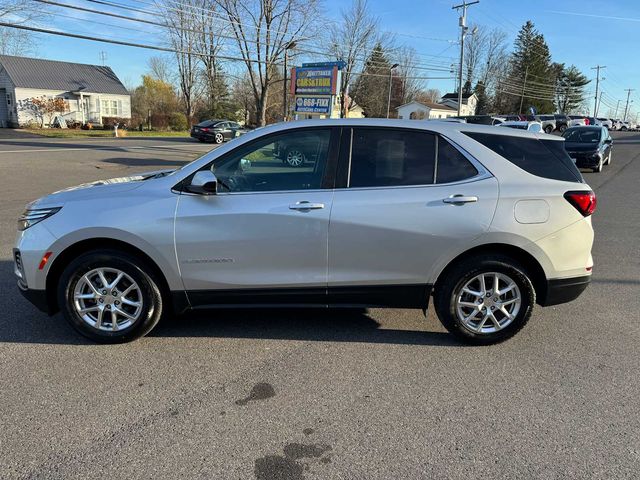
<point x="564" y="290"/>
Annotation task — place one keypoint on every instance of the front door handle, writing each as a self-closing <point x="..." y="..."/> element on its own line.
<point x="460" y="199"/>
<point x="304" y="205"/>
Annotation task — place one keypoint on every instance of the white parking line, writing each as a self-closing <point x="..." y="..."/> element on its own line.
<point x="78" y="149"/>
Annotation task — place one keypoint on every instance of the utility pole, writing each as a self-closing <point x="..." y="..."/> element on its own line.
<point x="598" y="104"/>
<point x="463" y="31"/>
<point x="285" y="107"/>
<point x="617" y="106"/>
<point x="395" y="65"/>
<point x="597" y="68"/>
<point x="626" y="108"/>
<point x="524" y="85"/>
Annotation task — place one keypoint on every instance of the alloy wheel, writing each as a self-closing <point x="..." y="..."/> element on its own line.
<point x="295" y="158"/>
<point x="488" y="303"/>
<point x="219" y="138"/>
<point x="108" y="299"/>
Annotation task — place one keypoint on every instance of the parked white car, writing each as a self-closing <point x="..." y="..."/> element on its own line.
<point x="577" y="121"/>
<point x="606" y="122"/>
<point x="380" y="213"/>
<point x="534" y="127"/>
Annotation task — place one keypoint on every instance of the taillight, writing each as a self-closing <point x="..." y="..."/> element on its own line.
<point x="204" y="129"/>
<point x="584" y="202"/>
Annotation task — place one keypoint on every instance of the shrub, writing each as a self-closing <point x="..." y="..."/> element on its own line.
<point x="178" y="121"/>
<point x="109" y="122"/>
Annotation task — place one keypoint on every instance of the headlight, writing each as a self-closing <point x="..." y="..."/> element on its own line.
<point x="32" y="216"/>
<point x="597" y="155"/>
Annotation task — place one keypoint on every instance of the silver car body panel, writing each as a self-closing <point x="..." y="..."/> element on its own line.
<point x="360" y="237"/>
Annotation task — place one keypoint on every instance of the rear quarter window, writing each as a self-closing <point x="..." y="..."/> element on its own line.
<point x="542" y="158"/>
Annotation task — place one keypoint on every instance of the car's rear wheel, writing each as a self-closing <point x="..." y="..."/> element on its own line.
<point x="548" y="129"/>
<point x="294" y="157"/>
<point x="218" y="138"/>
<point x="609" y="157"/>
<point x="485" y="299"/>
<point x="562" y="128"/>
<point x="109" y="296"/>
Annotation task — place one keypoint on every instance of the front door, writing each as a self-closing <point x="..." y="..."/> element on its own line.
<point x="401" y="212"/>
<point x="263" y="238"/>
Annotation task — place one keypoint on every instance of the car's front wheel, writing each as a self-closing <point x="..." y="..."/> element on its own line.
<point x="294" y="157"/>
<point x="562" y="128"/>
<point x="218" y="138"/>
<point x="485" y="299"/>
<point x="609" y="157"/>
<point x="109" y="296"/>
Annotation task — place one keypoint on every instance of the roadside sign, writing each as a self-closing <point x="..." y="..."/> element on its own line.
<point x="306" y="104"/>
<point x="315" y="80"/>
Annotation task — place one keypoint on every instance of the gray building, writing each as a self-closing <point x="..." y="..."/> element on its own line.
<point x="91" y="92"/>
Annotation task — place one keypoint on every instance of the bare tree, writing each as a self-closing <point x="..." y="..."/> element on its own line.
<point x="13" y="41"/>
<point x="350" y="40"/>
<point x="496" y="56"/>
<point x="430" y="95"/>
<point x="160" y="68"/>
<point x="476" y="47"/>
<point x="407" y="60"/>
<point x="181" y="27"/>
<point x="211" y="30"/>
<point x="263" y="30"/>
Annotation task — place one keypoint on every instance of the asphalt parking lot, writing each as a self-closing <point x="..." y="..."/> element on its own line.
<point x="306" y="394"/>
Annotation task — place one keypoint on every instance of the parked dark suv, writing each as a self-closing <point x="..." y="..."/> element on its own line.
<point x="589" y="146"/>
<point x="562" y="122"/>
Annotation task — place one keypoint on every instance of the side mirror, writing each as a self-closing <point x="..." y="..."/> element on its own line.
<point x="203" y="182"/>
<point x="609" y="141"/>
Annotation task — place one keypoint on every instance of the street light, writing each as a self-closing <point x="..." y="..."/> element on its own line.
<point x="287" y="47"/>
<point x="390" y="78"/>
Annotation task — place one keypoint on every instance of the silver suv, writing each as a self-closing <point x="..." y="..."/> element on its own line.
<point x="378" y="213"/>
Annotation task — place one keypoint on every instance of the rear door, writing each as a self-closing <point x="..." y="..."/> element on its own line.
<point x="408" y="199"/>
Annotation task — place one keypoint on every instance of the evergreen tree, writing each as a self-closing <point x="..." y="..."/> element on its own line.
<point x="482" y="107"/>
<point x="570" y="89"/>
<point x="371" y="90"/>
<point x="531" y="70"/>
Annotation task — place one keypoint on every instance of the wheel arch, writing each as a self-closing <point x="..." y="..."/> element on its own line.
<point x="526" y="259"/>
<point x="100" y="243"/>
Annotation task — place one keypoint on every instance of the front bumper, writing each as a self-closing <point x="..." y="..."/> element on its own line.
<point x="36" y="297"/>
<point x="586" y="161"/>
<point x="564" y="290"/>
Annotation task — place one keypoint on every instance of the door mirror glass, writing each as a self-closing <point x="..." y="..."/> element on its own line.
<point x="608" y="140"/>
<point x="245" y="164"/>
<point x="203" y="182"/>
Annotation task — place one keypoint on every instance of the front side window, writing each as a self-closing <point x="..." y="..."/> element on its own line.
<point x="294" y="160"/>
<point x="386" y="157"/>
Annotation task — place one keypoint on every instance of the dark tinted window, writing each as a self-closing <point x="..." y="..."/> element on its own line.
<point x="206" y="123"/>
<point x="384" y="157"/>
<point x="543" y="158"/>
<point x="583" y="135"/>
<point x="452" y="165"/>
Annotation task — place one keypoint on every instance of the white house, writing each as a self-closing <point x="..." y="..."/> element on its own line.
<point x="424" y="111"/>
<point x="469" y="102"/>
<point x="91" y="92"/>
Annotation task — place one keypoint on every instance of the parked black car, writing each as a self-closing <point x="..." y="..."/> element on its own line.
<point x="589" y="146"/>
<point x="562" y="122"/>
<point x="216" y="131"/>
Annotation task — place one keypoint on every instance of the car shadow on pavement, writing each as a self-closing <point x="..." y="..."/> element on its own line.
<point x="21" y="322"/>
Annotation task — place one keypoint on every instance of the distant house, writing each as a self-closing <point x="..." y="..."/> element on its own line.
<point x="469" y="102"/>
<point x="91" y="92"/>
<point x="424" y="111"/>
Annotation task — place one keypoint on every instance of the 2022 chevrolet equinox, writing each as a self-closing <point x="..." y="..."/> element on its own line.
<point x="486" y="221"/>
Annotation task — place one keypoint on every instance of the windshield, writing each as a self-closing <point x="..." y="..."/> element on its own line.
<point x="582" y="136"/>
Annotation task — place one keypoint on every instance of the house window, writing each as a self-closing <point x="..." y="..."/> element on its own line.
<point x="8" y="99"/>
<point x="110" y="108"/>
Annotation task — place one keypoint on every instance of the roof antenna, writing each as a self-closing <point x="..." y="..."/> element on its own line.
<point x="103" y="58"/>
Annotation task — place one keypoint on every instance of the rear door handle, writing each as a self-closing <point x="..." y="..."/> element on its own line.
<point x="304" y="205"/>
<point x="460" y="199"/>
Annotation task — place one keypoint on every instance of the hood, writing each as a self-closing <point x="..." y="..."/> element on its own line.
<point x="99" y="188"/>
<point x="581" y="147"/>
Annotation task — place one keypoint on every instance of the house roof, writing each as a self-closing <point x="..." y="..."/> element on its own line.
<point x="51" y="75"/>
<point x="432" y="106"/>
<point x="454" y="96"/>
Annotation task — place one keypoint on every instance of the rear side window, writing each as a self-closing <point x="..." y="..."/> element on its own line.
<point x="543" y="158"/>
<point x="452" y="165"/>
<point x="384" y="157"/>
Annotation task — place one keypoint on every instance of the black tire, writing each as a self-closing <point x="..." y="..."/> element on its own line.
<point x="448" y="288"/>
<point x="548" y="129"/>
<point x="598" y="168"/>
<point x="152" y="304"/>
<point x="609" y="157"/>
<point x="562" y="128"/>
